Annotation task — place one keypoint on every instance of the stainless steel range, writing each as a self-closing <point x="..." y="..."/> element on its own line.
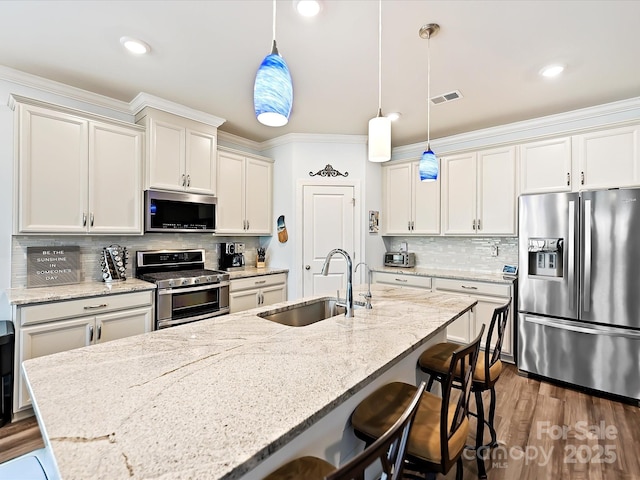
<point x="186" y="291"/>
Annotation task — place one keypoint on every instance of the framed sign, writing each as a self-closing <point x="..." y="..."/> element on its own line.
<point x="47" y="266"/>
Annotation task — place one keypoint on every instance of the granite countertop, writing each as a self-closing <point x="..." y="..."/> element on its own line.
<point x="26" y="296"/>
<point x="451" y="274"/>
<point x="207" y="400"/>
<point x="255" y="272"/>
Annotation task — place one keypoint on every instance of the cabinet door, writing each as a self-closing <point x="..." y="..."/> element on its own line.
<point x="259" y="196"/>
<point x="115" y="179"/>
<point x="52" y="171"/>
<point x="243" y="300"/>
<point x="483" y="314"/>
<point x="545" y="166"/>
<point x="230" y="188"/>
<point x="271" y="295"/>
<point x="459" y="194"/>
<point x="46" y="339"/>
<point x="496" y="202"/>
<point x="167" y="156"/>
<point x="201" y="162"/>
<point x="426" y="204"/>
<point x="396" y="199"/>
<point x="609" y="158"/>
<point x="459" y="330"/>
<point x="127" y="323"/>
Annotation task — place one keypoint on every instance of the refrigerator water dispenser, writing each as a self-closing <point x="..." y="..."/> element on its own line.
<point x="545" y="257"/>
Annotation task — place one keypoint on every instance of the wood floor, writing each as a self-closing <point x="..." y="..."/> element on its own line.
<point x="544" y="431"/>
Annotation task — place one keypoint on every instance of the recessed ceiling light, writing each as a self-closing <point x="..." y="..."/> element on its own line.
<point x="134" y="45"/>
<point x="308" y="8"/>
<point x="552" y="70"/>
<point x="393" y="116"/>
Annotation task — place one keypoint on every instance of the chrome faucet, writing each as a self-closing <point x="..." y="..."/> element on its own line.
<point x="367" y="296"/>
<point x="325" y="271"/>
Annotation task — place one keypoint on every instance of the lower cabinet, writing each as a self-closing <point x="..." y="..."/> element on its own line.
<point x="489" y="296"/>
<point x="252" y="292"/>
<point x="402" y="280"/>
<point x="45" y="329"/>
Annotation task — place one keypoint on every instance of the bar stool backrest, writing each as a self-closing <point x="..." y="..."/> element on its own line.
<point x="498" y="325"/>
<point x="390" y="449"/>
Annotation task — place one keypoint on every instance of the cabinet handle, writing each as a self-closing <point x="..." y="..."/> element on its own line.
<point x="408" y="225"/>
<point x="400" y="280"/>
<point x="91" y="333"/>
<point x="469" y="288"/>
<point x="479" y="227"/>
<point x="260" y="282"/>
<point x="84" y="219"/>
<point x="184" y="180"/>
<point x="99" y="332"/>
<point x="247" y="224"/>
<point x="473" y="225"/>
<point x="92" y="219"/>
<point x="581" y="178"/>
<point x="188" y="180"/>
<point x="93" y="307"/>
<point x="262" y="299"/>
<point x="412" y="225"/>
<point x="568" y="179"/>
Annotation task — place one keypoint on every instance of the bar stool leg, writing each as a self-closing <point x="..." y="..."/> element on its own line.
<point x="480" y="448"/>
<point x="492" y="415"/>
<point x="430" y="384"/>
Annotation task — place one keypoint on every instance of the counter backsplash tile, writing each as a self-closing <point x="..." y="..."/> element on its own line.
<point x="91" y="250"/>
<point x="459" y="253"/>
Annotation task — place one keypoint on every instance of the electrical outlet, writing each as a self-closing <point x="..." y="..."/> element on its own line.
<point x="494" y="250"/>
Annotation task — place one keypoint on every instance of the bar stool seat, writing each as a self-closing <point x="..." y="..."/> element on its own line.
<point x="309" y="468"/>
<point x="438" y="358"/>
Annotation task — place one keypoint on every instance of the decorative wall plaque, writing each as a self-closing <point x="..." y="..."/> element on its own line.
<point x="48" y="266"/>
<point x="329" y="171"/>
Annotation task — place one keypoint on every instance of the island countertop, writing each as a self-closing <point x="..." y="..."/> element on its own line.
<point x="211" y="399"/>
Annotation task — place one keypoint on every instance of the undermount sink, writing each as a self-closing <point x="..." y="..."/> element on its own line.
<point x="307" y="313"/>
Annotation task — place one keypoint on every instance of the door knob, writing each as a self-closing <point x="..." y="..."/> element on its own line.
<point x="307" y="267"/>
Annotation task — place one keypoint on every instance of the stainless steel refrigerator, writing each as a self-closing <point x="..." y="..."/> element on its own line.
<point x="579" y="288"/>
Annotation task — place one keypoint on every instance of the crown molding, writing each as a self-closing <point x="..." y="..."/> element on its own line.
<point x="239" y="141"/>
<point x="623" y="111"/>
<point x="143" y="100"/>
<point x="312" y="138"/>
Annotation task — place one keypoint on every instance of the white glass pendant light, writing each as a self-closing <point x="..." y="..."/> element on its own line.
<point x="428" y="163"/>
<point x="273" y="89"/>
<point x="379" y="126"/>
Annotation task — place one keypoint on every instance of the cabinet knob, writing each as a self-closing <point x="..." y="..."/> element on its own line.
<point x="307" y="267"/>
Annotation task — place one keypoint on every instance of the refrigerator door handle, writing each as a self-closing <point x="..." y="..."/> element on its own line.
<point x="587" y="255"/>
<point x="579" y="327"/>
<point x="571" y="254"/>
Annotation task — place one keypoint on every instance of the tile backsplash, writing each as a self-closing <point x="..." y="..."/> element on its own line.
<point x="91" y="250"/>
<point x="459" y="253"/>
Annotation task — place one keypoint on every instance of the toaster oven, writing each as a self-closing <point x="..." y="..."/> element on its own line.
<point x="400" y="259"/>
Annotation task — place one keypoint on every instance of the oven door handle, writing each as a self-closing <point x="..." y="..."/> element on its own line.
<point x="208" y="286"/>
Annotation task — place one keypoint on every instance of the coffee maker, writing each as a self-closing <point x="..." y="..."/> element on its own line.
<point x="231" y="256"/>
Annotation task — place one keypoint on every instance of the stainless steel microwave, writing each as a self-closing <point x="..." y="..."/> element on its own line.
<point x="179" y="212"/>
<point x="400" y="259"/>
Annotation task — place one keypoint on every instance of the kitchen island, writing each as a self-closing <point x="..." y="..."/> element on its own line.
<point x="214" y="399"/>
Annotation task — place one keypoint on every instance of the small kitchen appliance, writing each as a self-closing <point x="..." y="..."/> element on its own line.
<point x="400" y="259"/>
<point x="231" y="256"/>
<point x="186" y="291"/>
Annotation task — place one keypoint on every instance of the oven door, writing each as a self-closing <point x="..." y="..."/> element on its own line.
<point x="189" y="304"/>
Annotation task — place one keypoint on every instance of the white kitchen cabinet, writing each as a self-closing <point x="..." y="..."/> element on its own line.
<point x="545" y="166"/>
<point x="245" y="194"/>
<point x="410" y="207"/>
<point x="252" y="292"/>
<point x="76" y="173"/>
<point x="607" y="158"/>
<point x="489" y="296"/>
<point x="402" y="280"/>
<point x="479" y="192"/>
<point x="181" y="153"/>
<point x="44" y="329"/>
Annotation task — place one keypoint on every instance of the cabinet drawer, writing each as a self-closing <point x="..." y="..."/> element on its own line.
<point x="403" y="280"/>
<point x="472" y="288"/>
<point x="47" y="312"/>
<point x="257" y="282"/>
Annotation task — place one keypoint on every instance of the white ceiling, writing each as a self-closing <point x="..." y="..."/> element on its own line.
<point x="205" y="55"/>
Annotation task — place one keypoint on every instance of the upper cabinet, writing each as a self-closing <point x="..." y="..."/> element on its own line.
<point x="76" y="173"/>
<point x="479" y="193"/>
<point x="607" y="158"/>
<point x="545" y="166"/>
<point x="245" y="194"/>
<point x="410" y="207"/>
<point x="181" y="153"/>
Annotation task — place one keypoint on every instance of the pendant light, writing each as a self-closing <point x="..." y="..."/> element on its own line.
<point x="273" y="90"/>
<point x="379" y="126"/>
<point x="428" y="163"/>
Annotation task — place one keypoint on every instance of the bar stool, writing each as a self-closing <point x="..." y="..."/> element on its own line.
<point x="390" y="449"/>
<point x="440" y="429"/>
<point x="436" y="362"/>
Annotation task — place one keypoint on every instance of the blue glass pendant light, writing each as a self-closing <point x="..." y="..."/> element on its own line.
<point x="273" y="89"/>
<point x="428" y="163"/>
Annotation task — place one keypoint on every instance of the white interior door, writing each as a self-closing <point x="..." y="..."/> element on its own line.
<point x="328" y="223"/>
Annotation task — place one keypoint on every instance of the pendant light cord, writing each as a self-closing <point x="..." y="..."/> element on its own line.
<point x="428" y="92"/>
<point x="274" y="21"/>
<point x="380" y="59"/>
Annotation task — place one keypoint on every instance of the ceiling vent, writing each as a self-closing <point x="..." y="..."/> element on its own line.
<point x="447" y="97"/>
